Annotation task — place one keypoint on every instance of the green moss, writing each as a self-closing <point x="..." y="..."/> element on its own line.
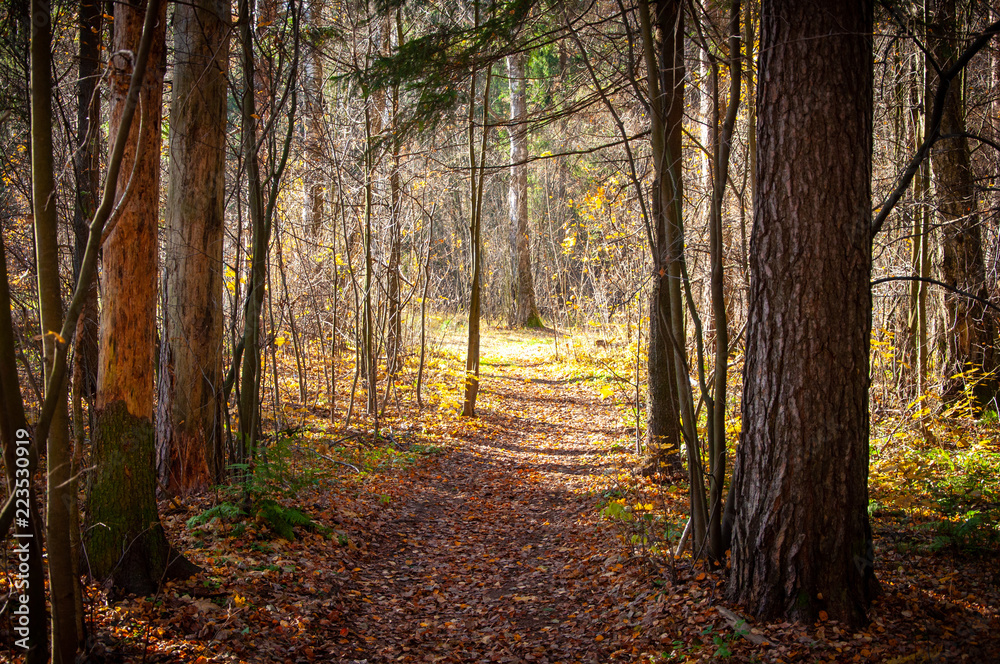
<point x="282" y="519"/>
<point x="535" y="322"/>
<point x="124" y="539"/>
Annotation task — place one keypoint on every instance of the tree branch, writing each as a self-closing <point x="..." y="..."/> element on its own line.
<point x="935" y="125"/>
<point x="943" y="285"/>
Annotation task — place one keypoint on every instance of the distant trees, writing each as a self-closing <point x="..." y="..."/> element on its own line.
<point x="969" y="333"/>
<point x="525" y="308"/>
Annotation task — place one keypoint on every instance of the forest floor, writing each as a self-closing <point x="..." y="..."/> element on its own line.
<point x="517" y="536"/>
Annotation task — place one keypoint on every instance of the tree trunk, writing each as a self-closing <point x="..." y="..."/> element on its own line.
<point x="189" y="429"/>
<point x="526" y="309"/>
<point x="994" y="211"/>
<point x="663" y="436"/>
<point x="722" y="140"/>
<point x="368" y="329"/>
<point x="249" y="406"/>
<point x="423" y="306"/>
<point x="314" y="143"/>
<point x="125" y="542"/>
<point x="394" y="337"/>
<point x="967" y="327"/>
<point x="476" y="244"/>
<point x="88" y="170"/>
<point x="802" y="542"/>
<point x="61" y="497"/>
<point x="665" y="58"/>
<point x="920" y="228"/>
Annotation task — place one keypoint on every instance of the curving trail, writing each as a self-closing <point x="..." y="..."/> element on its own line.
<point x="499" y="554"/>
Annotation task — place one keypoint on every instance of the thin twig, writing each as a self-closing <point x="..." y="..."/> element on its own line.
<point x="327" y="457"/>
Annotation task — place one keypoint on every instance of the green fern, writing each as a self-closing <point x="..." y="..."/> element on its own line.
<point x="282" y="520"/>
<point x="224" y="511"/>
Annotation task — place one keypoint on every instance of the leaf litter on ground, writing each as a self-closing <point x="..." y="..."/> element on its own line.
<point x="491" y="540"/>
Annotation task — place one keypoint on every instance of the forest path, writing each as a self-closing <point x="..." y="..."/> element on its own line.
<point x="498" y="552"/>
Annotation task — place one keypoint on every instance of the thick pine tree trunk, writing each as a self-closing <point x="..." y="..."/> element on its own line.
<point x="526" y="310"/>
<point x="125" y="542"/>
<point x="189" y="428"/>
<point x="802" y="541"/>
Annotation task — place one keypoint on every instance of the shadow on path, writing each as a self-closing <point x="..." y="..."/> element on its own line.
<point x="499" y="555"/>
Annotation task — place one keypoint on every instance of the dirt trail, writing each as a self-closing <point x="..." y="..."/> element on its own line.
<point x="500" y="555"/>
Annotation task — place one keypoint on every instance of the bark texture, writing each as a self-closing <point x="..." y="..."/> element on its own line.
<point x="189" y="427"/>
<point x="125" y="543"/>
<point x="802" y="540"/>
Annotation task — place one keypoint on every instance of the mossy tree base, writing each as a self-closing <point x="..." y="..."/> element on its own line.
<point x="125" y="542"/>
<point x="534" y="322"/>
